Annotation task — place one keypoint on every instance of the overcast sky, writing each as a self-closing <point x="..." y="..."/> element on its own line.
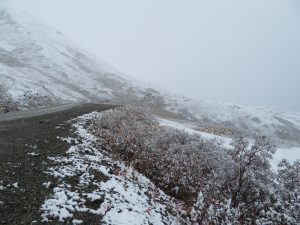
<point x="243" y="51"/>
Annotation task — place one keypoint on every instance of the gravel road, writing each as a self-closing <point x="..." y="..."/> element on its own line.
<point x="35" y="112"/>
<point x="27" y="139"/>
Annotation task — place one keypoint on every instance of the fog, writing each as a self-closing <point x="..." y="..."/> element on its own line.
<point x="246" y="52"/>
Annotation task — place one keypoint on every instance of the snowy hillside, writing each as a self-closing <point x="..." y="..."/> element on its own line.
<point x="39" y="67"/>
<point x="229" y="119"/>
<point x="37" y="58"/>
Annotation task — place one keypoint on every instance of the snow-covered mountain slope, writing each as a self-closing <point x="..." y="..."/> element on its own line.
<point x="230" y="119"/>
<point x="37" y="58"/>
<point x="39" y="66"/>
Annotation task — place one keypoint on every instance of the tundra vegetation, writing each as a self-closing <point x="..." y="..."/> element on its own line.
<point x="6" y="102"/>
<point x="27" y="100"/>
<point x="217" y="185"/>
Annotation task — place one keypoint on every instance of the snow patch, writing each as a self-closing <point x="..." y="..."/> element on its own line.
<point x="77" y="222"/>
<point x="33" y="153"/>
<point x="47" y="184"/>
<point x="1" y="186"/>
<point x="60" y="206"/>
<point x="31" y="146"/>
<point x="14" y="185"/>
<point x="180" y="126"/>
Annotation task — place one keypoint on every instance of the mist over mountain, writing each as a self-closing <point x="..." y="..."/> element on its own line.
<point x="83" y="143"/>
<point x="40" y="67"/>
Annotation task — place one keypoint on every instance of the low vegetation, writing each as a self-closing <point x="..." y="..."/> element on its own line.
<point x="218" y="185"/>
<point x="6" y="102"/>
<point x="28" y="100"/>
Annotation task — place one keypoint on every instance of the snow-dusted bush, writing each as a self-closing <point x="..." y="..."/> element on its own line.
<point x="27" y="100"/>
<point x="124" y="130"/>
<point x="6" y="102"/>
<point x="288" y="179"/>
<point x="250" y="194"/>
<point x="289" y="175"/>
<point x="252" y="172"/>
<point x="180" y="163"/>
<point x="30" y="100"/>
<point x="221" y="186"/>
<point x="186" y="163"/>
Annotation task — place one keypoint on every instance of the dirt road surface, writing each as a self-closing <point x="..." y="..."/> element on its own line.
<point x="27" y="139"/>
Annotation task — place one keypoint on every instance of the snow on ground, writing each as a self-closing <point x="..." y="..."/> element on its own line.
<point x="33" y="153"/>
<point x="169" y="123"/>
<point x="1" y="186"/>
<point x="15" y="185"/>
<point x="89" y="181"/>
<point x="104" y="187"/>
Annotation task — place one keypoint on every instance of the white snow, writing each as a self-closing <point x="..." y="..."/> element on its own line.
<point x="31" y="146"/>
<point x="14" y="185"/>
<point x="119" y="196"/>
<point x="33" y="153"/>
<point x="180" y="126"/>
<point x="47" y="184"/>
<point x="1" y="186"/>
<point x="77" y="222"/>
<point x="61" y="205"/>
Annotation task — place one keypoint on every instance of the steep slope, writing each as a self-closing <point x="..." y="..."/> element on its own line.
<point x="38" y="59"/>
<point x="39" y="67"/>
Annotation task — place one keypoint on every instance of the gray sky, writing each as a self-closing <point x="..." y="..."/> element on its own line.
<point x="243" y="51"/>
